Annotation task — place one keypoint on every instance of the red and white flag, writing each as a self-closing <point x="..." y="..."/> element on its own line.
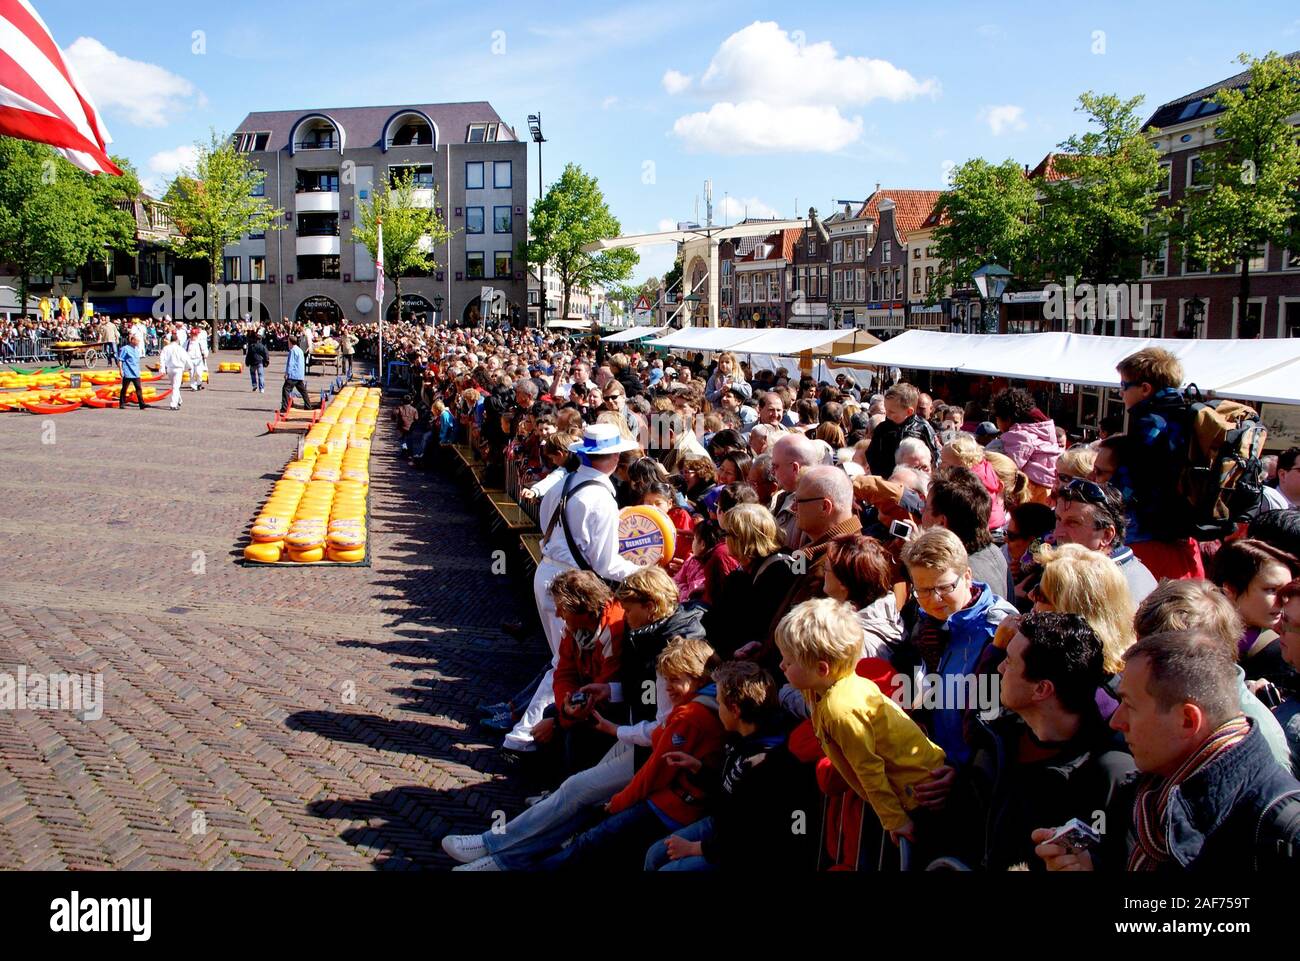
<point x="41" y="98"/>
<point x="379" y="270"/>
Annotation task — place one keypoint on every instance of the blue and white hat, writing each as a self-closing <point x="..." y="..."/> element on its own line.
<point x="600" y="439"/>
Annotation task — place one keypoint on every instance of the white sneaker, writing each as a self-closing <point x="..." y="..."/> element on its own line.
<point x="465" y="847"/>
<point x="482" y="864"/>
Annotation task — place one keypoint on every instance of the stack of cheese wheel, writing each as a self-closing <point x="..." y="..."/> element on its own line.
<point x="317" y="511"/>
<point x="305" y="541"/>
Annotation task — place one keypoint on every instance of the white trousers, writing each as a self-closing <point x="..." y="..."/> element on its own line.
<point x="176" y="388"/>
<point x="521" y="737"/>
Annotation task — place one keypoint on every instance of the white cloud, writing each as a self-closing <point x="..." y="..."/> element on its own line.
<point x="676" y="82"/>
<point x="763" y="62"/>
<point x="775" y="93"/>
<point x="145" y="94"/>
<point x="163" y="167"/>
<point x="734" y="209"/>
<point x="608" y="102"/>
<point x="755" y="127"/>
<point x="666" y="224"/>
<point x="1004" y="117"/>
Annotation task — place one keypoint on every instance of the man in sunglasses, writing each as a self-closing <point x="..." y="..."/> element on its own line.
<point x="1093" y="516"/>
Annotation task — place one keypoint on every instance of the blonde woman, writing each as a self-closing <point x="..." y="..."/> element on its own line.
<point x="1015" y="485"/>
<point x="727" y="375"/>
<point x="965" y="451"/>
<point x="739" y="622"/>
<point x="1075" y="463"/>
<point x="1088" y="583"/>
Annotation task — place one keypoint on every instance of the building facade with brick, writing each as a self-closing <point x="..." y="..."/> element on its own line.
<point x="322" y="165"/>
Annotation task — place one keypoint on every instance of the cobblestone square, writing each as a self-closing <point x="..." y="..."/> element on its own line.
<point x="253" y="718"/>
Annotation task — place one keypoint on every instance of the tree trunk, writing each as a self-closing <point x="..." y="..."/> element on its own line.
<point x="564" y="300"/>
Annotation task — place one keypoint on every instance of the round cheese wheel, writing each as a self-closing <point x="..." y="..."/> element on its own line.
<point x="343" y="556"/>
<point x="310" y="556"/>
<point x="264" y="553"/>
<point x="346" y="540"/>
<point x="304" y="540"/>
<point x="645" y="536"/>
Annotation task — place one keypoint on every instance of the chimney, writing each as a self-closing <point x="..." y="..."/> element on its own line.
<point x="848" y="210"/>
<point x="877" y="186"/>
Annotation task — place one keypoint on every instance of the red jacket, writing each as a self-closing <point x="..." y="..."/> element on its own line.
<point x="693" y="728"/>
<point x="598" y="663"/>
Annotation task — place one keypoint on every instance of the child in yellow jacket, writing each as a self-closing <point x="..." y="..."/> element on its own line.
<point x="874" y="745"/>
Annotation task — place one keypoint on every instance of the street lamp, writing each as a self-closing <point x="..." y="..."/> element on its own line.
<point x="991" y="281"/>
<point x="437" y="309"/>
<point x="535" y="129"/>
<point x="688" y="308"/>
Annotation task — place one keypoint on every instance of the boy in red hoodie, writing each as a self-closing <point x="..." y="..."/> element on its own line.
<point x="590" y="653"/>
<point x="663" y="797"/>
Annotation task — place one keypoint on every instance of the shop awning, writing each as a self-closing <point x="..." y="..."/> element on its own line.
<point x="786" y="340"/>
<point x="632" y="333"/>
<point x="1267" y="370"/>
<point x="705" y="338"/>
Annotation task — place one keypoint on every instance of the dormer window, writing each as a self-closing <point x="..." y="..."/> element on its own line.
<point x="250" y="142"/>
<point x="482" y="133"/>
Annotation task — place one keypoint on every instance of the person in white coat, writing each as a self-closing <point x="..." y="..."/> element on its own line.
<point x="195" y="367"/>
<point x="173" y="363"/>
<point x="591" y="517"/>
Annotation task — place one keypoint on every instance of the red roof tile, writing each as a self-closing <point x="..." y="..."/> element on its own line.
<point x="1047" y="169"/>
<point x="911" y="208"/>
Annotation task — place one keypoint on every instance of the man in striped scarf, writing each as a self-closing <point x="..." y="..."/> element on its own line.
<point x="1210" y="796"/>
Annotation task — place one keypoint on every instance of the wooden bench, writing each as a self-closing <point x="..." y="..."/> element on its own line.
<point x="510" y="513"/>
<point x="532" y="545"/>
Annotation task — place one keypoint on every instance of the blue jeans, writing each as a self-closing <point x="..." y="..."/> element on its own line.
<point x="656" y="859"/>
<point x="613" y="843"/>
<point x="255" y="375"/>
<point x="110" y="352"/>
<point x="540" y="830"/>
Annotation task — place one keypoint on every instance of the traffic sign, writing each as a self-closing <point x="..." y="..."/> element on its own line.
<point x="642" y="304"/>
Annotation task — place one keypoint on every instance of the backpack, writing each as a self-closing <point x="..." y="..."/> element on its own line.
<point x="1223" y="479"/>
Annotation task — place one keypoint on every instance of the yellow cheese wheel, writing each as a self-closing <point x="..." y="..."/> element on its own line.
<point x="264" y="553"/>
<point x="646" y="536"/>
<point x="267" y="535"/>
<point x="310" y="556"/>
<point x="346" y="540"/>
<point x="342" y="556"/>
<point x="302" y="540"/>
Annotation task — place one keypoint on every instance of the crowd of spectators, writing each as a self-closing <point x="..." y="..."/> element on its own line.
<point x="894" y="631"/>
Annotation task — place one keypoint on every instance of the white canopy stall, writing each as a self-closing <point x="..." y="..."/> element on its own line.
<point x="1248" y="369"/>
<point x="632" y="333"/>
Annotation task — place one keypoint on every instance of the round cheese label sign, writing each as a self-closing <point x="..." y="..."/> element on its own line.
<point x="645" y="536"/>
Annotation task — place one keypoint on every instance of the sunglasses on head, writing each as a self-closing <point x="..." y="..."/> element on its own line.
<point x="1092" y="493"/>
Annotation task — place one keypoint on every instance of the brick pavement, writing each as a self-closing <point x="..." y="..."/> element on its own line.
<point x="229" y="738"/>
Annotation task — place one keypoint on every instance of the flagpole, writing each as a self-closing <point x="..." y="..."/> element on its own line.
<point x="379" y="289"/>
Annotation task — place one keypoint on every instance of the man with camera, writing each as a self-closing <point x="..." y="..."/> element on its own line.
<point x="1049" y="756"/>
<point x="1210" y="796"/>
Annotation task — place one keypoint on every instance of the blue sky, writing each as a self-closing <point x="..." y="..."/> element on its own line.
<point x="779" y="104"/>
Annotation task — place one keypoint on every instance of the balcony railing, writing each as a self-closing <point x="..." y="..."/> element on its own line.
<point x="312" y="188"/>
<point x="317" y="230"/>
<point x="329" y="144"/>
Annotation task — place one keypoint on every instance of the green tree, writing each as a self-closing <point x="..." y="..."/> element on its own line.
<point x="212" y="206"/>
<point x="985" y="216"/>
<point x="571" y="215"/>
<point x="412" y="231"/>
<point x="53" y="215"/>
<point x="1253" y="175"/>
<point x="1101" y="218"/>
<point x="674" y="275"/>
